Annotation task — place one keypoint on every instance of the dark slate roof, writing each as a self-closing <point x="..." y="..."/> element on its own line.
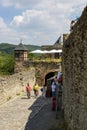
<point x="21" y="47"/>
<point x="58" y="41"/>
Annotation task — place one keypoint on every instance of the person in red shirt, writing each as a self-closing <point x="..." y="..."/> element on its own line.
<point x="28" y="89"/>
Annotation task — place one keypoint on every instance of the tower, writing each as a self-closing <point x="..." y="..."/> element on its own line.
<point x="20" y="55"/>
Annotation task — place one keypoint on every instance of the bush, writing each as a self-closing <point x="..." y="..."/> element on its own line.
<point x="6" y="64"/>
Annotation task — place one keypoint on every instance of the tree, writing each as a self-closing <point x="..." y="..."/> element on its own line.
<point x="6" y="64"/>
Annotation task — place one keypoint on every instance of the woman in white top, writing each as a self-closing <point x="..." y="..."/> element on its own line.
<point x="53" y="88"/>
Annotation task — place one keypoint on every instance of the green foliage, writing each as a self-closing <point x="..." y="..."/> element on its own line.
<point x="6" y="63"/>
<point x="9" y="48"/>
<point x="32" y="47"/>
<point x="33" y="56"/>
<point x="7" y="59"/>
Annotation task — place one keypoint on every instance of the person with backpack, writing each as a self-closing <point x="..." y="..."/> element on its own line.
<point x="59" y="92"/>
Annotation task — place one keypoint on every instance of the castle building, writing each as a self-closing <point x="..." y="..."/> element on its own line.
<point x="58" y="45"/>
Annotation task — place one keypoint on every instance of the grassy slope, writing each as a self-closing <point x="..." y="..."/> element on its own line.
<point x="9" y="48"/>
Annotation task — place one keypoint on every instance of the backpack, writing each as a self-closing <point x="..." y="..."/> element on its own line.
<point x="60" y="79"/>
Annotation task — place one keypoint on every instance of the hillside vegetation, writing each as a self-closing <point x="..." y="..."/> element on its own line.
<point x="7" y="57"/>
<point x="9" y="48"/>
<point x="6" y="64"/>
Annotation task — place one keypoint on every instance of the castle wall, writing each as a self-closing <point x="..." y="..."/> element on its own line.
<point x="75" y="76"/>
<point x="42" y="68"/>
<point x="14" y="85"/>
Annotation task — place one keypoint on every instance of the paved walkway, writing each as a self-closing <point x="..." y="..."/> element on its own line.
<point x="27" y="114"/>
<point x="44" y="120"/>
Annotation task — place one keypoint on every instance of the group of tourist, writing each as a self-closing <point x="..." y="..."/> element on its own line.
<point x="57" y="80"/>
<point x="35" y="89"/>
<point x="56" y="88"/>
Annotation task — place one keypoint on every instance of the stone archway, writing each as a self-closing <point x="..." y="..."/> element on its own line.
<point x="49" y="77"/>
<point x="43" y="70"/>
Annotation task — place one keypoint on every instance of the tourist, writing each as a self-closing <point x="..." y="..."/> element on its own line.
<point x="36" y="90"/>
<point x="59" y="74"/>
<point x="59" y="92"/>
<point x="53" y="88"/>
<point x="44" y="91"/>
<point x="28" y="89"/>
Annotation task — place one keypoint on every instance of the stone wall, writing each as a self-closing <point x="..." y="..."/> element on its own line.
<point x="13" y="85"/>
<point x="28" y="71"/>
<point x="75" y="76"/>
<point x="42" y="68"/>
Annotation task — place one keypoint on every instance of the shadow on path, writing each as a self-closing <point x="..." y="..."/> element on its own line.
<point x="43" y="118"/>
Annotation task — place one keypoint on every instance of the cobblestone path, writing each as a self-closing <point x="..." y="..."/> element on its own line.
<point x="28" y="114"/>
<point x="44" y="120"/>
<point x="14" y="114"/>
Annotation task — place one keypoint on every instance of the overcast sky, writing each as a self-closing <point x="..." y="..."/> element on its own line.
<point x="37" y="22"/>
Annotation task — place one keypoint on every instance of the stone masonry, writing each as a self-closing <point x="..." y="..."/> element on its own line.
<point x="42" y="68"/>
<point x="13" y="85"/>
<point x="75" y="75"/>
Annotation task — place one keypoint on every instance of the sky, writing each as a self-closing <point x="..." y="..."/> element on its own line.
<point x="37" y="22"/>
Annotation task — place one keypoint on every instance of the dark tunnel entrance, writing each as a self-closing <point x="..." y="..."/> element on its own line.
<point x="48" y="76"/>
<point x="48" y="81"/>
